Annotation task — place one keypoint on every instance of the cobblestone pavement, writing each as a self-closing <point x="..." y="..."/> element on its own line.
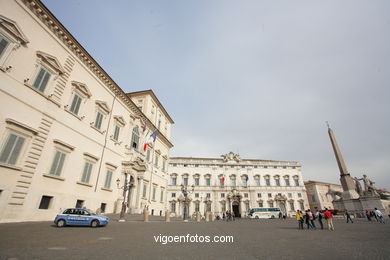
<point x="253" y="239"/>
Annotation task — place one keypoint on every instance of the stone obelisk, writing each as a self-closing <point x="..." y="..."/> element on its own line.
<point x="347" y="182"/>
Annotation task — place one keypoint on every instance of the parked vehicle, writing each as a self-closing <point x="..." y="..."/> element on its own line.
<point x="264" y="213"/>
<point x="80" y="217"/>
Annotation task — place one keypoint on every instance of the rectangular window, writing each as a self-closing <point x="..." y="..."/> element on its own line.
<point x="107" y="182"/>
<point x="156" y="160"/>
<point x="87" y="172"/>
<point x="208" y="195"/>
<point x="45" y="202"/>
<point x="207" y="181"/>
<point x="301" y="205"/>
<point x="197" y="181"/>
<point x="277" y="182"/>
<point x="164" y="163"/>
<point x="103" y="207"/>
<point x="222" y="195"/>
<point x="269" y="195"/>
<point x="257" y="182"/>
<point x="299" y="195"/>
<point x="41" y="80"/>
<point x="290" y="195"/>
<point x="11" y="149"/>
<point x="173" y="180"/>
<point x="144" y="191"/>
<point x="3" y="45"/>
<point x="196" y="195"/>
<point x="296" y="182"/>
<point x="197" y="207"/>
<point x="98" y="120"/>
<point x="154" y="193"/>
<point x="75" y="106"/>
<point x="259" y="195"/>
<point x="185" y="181"/>
<point x="270" y="204"/>
<point x="260" y="204"/>
<point x="221" y="183"/>
<point x="116" y="133"/>
<point x="233" y="182"/>
<point x="287" y="182"/>
<point x="79" y="204"/>
<point x="173" y="206"/>
<point x="245" y="195"/>
<point x="162" y="195"/>
<point x="267" y="182"/>
<point x="58" y="163"/>
<point x="148" y="155"/>
<point x="173" y="195"/>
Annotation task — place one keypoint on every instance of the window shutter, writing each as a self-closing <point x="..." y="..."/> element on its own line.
<point x="60" y="164"/>
<point x="8" y="148"/>
<point x="44" y="81"/>
<point x="38" y="79"/>
<point x="3" y="45"/>
<point x="53" y="169"/>
<point x="17" y="148"/>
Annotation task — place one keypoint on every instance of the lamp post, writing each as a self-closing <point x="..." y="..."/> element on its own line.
<point x="185" y="191"/>
<point x="126" y="186"/>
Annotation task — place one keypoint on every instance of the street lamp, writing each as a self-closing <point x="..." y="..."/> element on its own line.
<point x="185" y="191"/>
<point x="126" y="186"/>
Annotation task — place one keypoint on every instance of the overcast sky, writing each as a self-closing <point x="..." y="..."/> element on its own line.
<point x="255" y="77"/>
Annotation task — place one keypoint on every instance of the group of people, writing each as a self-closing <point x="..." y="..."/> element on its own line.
<point x="377" y="214"/>
<point x="309" y="217"/>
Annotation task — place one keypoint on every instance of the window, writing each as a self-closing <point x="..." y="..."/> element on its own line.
<point x="41" y="80"/>
<point x="98" y="120"/>
<point x="185" y="181"/>
<point x="247" y="206"/>
<point x="196" y="165"/>
<point x="277" y="181"/>
<point x="299" y="195"/>
<point x="103" y="207"/>
<point x="148" y="156"/>
<point x="173" y="206"/>
<point x="267" y="181"/>
<point x="301" y="205"/>
<point x="156" y="160"/>
<point x="290" y="195"/>
<point x="45" y="202"/>
<point x="164" y="163"/>
<point x="313" y="198"/>
<point x="207" y="181"/>
<point x="196" y="195"/>
<point x="222" y="195"/>
<point x="3" y="44"/>
<point x="260" y="204"/>
<point x="245" y="195"/>
<point x="11" y="149"/>
<point x="257" y="181"/>
<point x="259" y="195"/>
<point x="197" y="208"/>
<point x="271" y="204"/>
<point x="79" y="203"/>
<point x="144" y="190"/>
<point x="296" y="180"/>
<point x="292" y="206"/>
<point x="221" y="182"/>
<point x="135" y="138"/>
<point x="223" y="206"/>
<point x="87" y="172"/>
<point x="75" y="106"/>
<point x="233" y="181"/>
<point x="58" y="163"/>
<point x="196" y="181"/>
<point x="269" y="195"/>
<point x="208" y="195"/>
<point x="116" y="133"/>
<point x="162" y="195"/>
<point x="287" y="181"/>
<point x="173" y="195"/>
<point x="173" y="180"/>
<point x="107" y="182"/>
<point x="154" y="193"/>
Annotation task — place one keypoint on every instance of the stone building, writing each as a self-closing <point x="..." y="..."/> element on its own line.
<point x="321" y="194"/>
<point x="69" y="135"/>
<point x="237" y="184"/>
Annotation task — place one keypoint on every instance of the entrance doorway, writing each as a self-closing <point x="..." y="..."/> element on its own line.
<point x="236" y="210"/>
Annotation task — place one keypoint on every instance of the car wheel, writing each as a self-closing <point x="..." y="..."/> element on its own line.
<point x="61" y="223"/>
<point x="94" y="223"/>
<point x="257" y="217"/>
<point x="272" y="217"/>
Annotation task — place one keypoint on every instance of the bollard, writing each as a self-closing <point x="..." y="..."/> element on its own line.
<point x="197" y="216"/>
<point x="146" y="215"/>
<point x="167" y="217"/>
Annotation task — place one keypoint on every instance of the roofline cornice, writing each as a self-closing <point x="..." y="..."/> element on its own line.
<point x="59" y="30"/>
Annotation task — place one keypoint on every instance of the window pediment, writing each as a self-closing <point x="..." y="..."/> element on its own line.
<point x="103" y="105"/>
<point x="120" y="120"/>
<point x="52" y="61"/>
<point x="13" y="29"/>
<point x="82" y="88"/>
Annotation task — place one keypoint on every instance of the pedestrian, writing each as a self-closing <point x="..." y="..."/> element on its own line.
<point x="379" y="215"/>
<point x="329" y="220"/>
<point x="318" y="215"/>
<point x="280" y="215"/>
<point x="308" y="218"/>
<point x="299" y="219"/>
<point x="312" y="218"/>
<point x="374" y="215"/>
<point x="348" y="216"/>
<point x="368" y="215"/>
<point x="223" y="215"/>
<point x="284" y="216"/>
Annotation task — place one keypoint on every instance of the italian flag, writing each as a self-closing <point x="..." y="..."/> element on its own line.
<point x="149" y="139"/>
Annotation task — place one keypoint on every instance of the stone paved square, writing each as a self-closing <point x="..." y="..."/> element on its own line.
<point x="253" y="239"/>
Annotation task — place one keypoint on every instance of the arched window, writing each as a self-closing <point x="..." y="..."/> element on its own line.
<point x="296" y="180"/>
<point x="287" y="180"/>
<point x="135" y="138"/>
<point x="277" y="180"/>
<point x="267" y="181"/>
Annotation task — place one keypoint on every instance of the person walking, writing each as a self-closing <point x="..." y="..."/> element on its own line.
<point x="348" y="216"/>
<point x="280" y="215"/>
<point x="308" y="218"/>
<point x="311" y="218"/>
<point x="329" y="220"/>
<point x="318" y="216"/>
<point x="368" y="215"/>
<point x="299" y="219"/>
<point x="374" y="215"/>
<point x="379" y="215"/>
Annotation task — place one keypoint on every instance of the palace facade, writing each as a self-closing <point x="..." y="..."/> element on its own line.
<point x="232" y="183"/>
<point x="69" y="135"/>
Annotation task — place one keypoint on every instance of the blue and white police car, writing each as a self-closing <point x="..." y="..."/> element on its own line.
<point x="80" y="217"/>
